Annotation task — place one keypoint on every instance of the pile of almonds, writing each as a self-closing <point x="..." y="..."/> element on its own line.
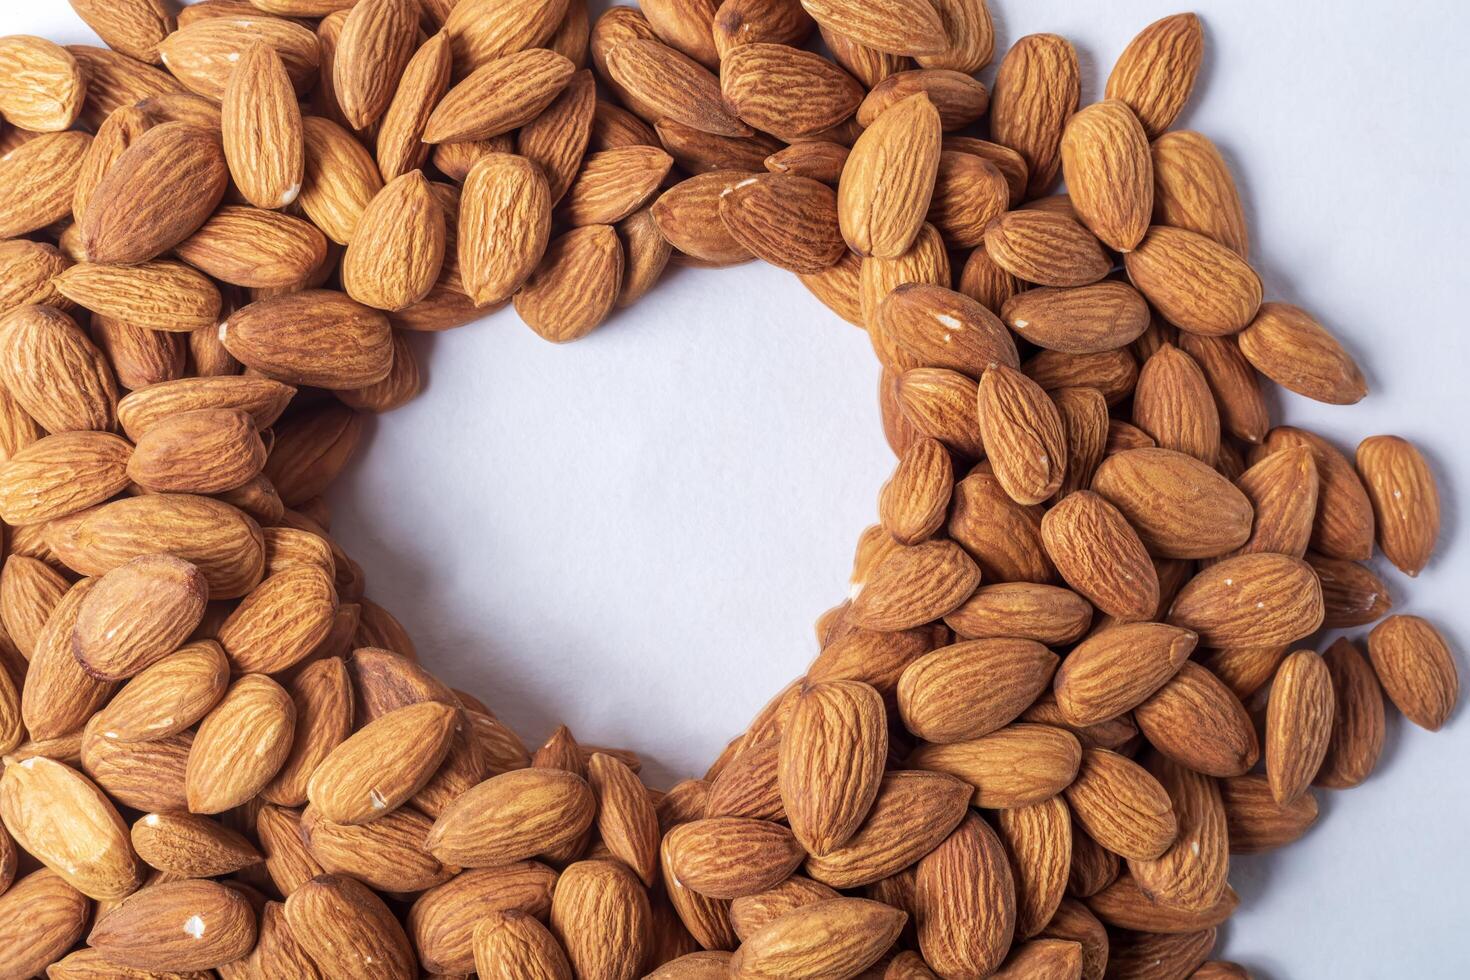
<point x="1075" y="673"/>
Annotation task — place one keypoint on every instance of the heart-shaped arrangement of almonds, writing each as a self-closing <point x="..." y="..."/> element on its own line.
<point x="1069" y="683"/>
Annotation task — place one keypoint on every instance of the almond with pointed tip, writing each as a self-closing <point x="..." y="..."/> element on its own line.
<point x="500" y="96"/>
<point x="348" y="931"/>
<point x="62" y="819"/>
<point x="1121" y="806"/>
<point x="789" y="221"/>
<point x="317" y="337"/>
<point x="783" y="90"/>
<point x="575" y="286"/>
<point x="261" y="129"/>
<point x="1199" y="722"/>
<point x="1099" y="555"/>
<point x="1109" y="173"/>
<point x="916" y="585"/>
<point x="1037" y="88"/>
<point x="965" y="901"/>
<point x="240" y="745"/>
<point x="1180" y="507"/>
<point x="838" y="937"/>
<point x="1023" y="435"/>
<point x="60" y="475"/>
<point x="1046" y="248"/>
<point x="137" y="614"/>
<point x="1194" y="282"/>
<point x="1251" y="601"/>
<point x="374" y="46"/>
<point x="1194" y="189"/>
<point x="1405" y="500"/>
<point x="37" y="180"/>
<point x="1288" y="346"/>
<point x="383" y="764"/>
<point x="511" y="945"/>
<point x="1021" y="764"/>
<point x="882" y="199"/>
<point x="169" y="696"/>
<point x="513" y="816"/>
<point x="831" y="762"/>
<point x="1156" y="71"/>
<point x="397" y="249"/>
<point x="1416" y="668"/>
<point x="966" y="690"/>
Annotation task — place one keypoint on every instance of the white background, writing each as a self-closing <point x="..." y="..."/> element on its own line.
<point x="634" y="533"/>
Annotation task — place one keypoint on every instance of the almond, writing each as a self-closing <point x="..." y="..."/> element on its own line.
<point x="137" y="614"/>
<point x="210" y="450"/>
<point x="1019" y="765"/>
<point x="1046" y="249"/>
<point x="790" y="93"/>
<point x="41" y="917"/>
<point x="1288" y="346"/>
<point x="1196" y="283"/>
<point x="1416" y="668"/>
<point x="1194" y="189"/>
<point x="895" y="26"/>
<point x="1298" y="725"/>
<point x="838" y="937"/>
<point x="1180" y="507"/>
<point x="727" y="857"/>
<point x="1038" y="839"/>
<point x="132" y="27"/>
<point x="43" y="86"/>
<point x="511" y="944"/>
<point x="502" y="95"/>
<point x="1405" y="500"/>
<point x="1080" y="320"/>
<point x="575" y="286"/>
<point x="941" y="328"/>
<point x="1256" y="822"/>
<point x="601" y="916"/>
<point x="1121" y="806"/>
<point x="54" y="372"/>
<point x="916" y="585"/>
<point x="966" y="902"/>
<point x="831" y="764"/>
<point x="1109" y="173"/>
<point x="169" y="696"/>
<point x="672" y="85"/>
<point x="1117" y="669"/>
<point x="1173" y="403"/>
<point x="882" y="200"/>
<point x="1024" y="610"/>
<point x="177" y="926"/>
<point x="1100" y="556"/>
<point x="240" y="745"/>
<point x="937" y="696"/>
<point x="191" y="846"/>
<point x="346" y="930"/>
<point x="61" y="818"/>
<point x="1197" y="721"/>
<point x="511" y="817"/>
<point x="61" y="475"/>
<point x="1357" y="718"/>
<point x="316" y="337"/>
<point x="790" y="222"/>
<point x="1002" y="536"/>
<point x="1036" y="89"/>
<point x="374" y="47"/>
<point x="378" y="768"/>
<point x="37" y="180"/>
<point x="340" y="178"/>
<point x="1156" y="72"/>
<point x="1023" y="435"/>
<point x="1251" y="600"/>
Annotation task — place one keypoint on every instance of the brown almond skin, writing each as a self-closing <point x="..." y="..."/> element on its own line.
<point x="1197" y="721"/>
<point x="1180" y="507"/>
<point x="1002" y="536"/>
<point x="305" y="338"/>
<point x="752" y="912"/>
<point x="1194" y="189"/>
<point x="442" y="920"/>
<point x="137" y="614"/>
<point x="1298" y="725"/>
<point x="789" y="221"/>
<point x="240" y="745"/>
<point x="41" y="917"/>
<point x="831" y="763"/>
<point x="1039" y="841"/>
<point x="383" y="763"/>
<point x="1256" y="822"/>
<point x="966" y="902"/>
<point x="1352" y="594"/>
<point x="205" y="451"/>
<point x="1156" y="71"/>
<point x="348" y="931"/>
<point x="850" y="934"/>
<point x="169" y="696"/>
<point x="1046" y="248"/>
<point x="1121" y="806"/>
<point x="1282" y="489"/>
<point x="727" y="857"/>
<point x="511" y="817"/>
<point x="1019" y="765"/>
<point x="782" y="90"/>
<point x="1117" y="669"/>
<point x="1037" y="88"/>
<point x="1251" y="601"/>
<point x="601" y="916"/>
<point x="1025" y="610"/>
<point x="1196" y="283"/>
<point x="159" y="191"/>
<point x="937" y="693"/>
<point x="1109" y="173"/>
<point x="882" y="200"/>
<point x="1080" y="320"/>
<point x="1416" y="668"/>
<point x="1288" y="346"/>
<point x="510" y="944"/>
<point x="178" y="926"/>
<point x="1173" y="403"/>
<point x="575" y="286"/>
<point x="1405" y="500"/>
<point x="1023" y="435"/>
<point x="1191" y="875"/>
<point x="913" y="503"/>
<point x="1344" y="523"/>
<point x="916" y="585"/>
<point x="1357" y="718"/>
<point x="1100" y="556"/>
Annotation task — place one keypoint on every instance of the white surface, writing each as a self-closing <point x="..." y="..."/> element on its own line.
<point x="634" y="533"/>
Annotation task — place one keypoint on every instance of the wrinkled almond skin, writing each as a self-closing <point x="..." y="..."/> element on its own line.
<point x="1099" y="554"/>
<point x="1036" y="89"/>
<point x="838" y="937"/>
<point x="1298" y="724"/>
<point x="575" y="286"/>
<point x="383" y="763"/>
<point x="1023" y="435"/>
<point x="916" y="585"/>
<point x="511" y="817"/>
<point x="240" y="746"/>
<point x="831" y="762"/>
<point x="315" y="337"/>
<point x="1194" y="189"/>
<point x="966" y="901"/>
<point x="1156" y="72"/>
<point x="348" y="931"/>
<point x="1180" y="507"/>
<point x="178" y="926"/>
<point x="1196" y="283"/>
<point x="137" y="614"/>
<point x="1121" y="806"/>
<point x="1405" y="500"/>
<point x="970" y="689"/>
<point x="1199" y="722"/>
<point x="1251" y="601"/>
<point x="1288" y="346"/>
<point x="883" y="198"/>
<point x="1109" y="173"/>
<point x="1416" y="668"/>
<point x="1116" y="669"/>
<point x="1357" y="718"/>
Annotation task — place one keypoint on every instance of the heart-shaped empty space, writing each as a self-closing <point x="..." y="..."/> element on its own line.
<point x="631" y="535"/>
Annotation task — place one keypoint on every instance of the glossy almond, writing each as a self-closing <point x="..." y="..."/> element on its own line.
<point x="1109" y="173"/>
<point x="882" y="199"/>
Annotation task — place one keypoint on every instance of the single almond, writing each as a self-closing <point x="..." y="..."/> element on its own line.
<point x="1416" y="668"/>
<point x="1405" y="500"/>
